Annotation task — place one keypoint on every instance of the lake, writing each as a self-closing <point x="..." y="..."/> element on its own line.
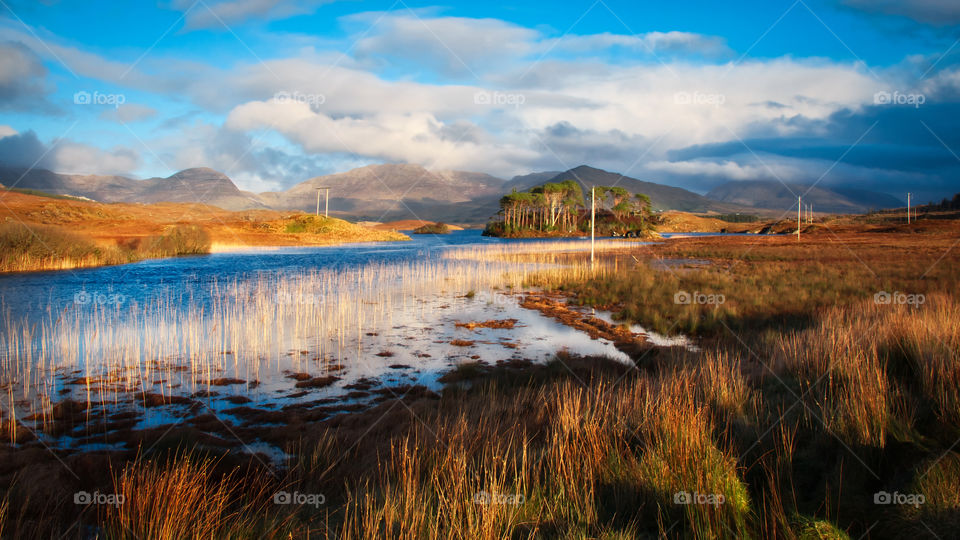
<point x="269" y="329"/>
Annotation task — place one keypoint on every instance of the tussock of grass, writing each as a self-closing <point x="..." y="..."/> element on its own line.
<point x="938" y="482"/>
<point x="681" y="456"/>
<point x="188" y="498"/>
<point x="179" y="240"/>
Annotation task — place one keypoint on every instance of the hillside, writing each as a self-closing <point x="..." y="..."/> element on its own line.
<point x="526" y="181"/>
<point x="393" y="192"/>
<point x="777" y="196"/>
<point x="662" y="196"/>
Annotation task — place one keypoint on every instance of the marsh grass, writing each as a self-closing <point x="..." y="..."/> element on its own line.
<point x="188" y="497"/>
<point x="805" y="399"/>
<point x="45" y="247"/>
<point x="34" y="247"/>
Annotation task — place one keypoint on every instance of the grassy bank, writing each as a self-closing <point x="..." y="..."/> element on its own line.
<point x="45" y="247"/>
<point x="55" y="233"/>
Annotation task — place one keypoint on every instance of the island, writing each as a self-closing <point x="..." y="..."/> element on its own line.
<point x="560" y="209"/>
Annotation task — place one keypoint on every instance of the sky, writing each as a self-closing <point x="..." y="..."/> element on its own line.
<point x="859" y="94"/>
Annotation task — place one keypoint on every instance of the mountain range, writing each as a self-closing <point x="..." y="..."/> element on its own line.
<point x="775" y="195"/>
<point x="200" y="185"/>
<point x="392" y="192"/>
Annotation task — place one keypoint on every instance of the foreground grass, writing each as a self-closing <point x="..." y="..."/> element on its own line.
<point x="807" y="401"/>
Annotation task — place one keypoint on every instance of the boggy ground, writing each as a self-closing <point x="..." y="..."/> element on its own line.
<point x="816" y="407"/>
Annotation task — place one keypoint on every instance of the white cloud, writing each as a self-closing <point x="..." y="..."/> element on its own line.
<point x="214" y="14"/>
<point x="79" y="158"/>
<point x="6" y="131"/>
<point x="415" y="137"/>
<point x="651" y="43"/>
<point x="451" y="45"/>
<point x="731" y="170"/>
<point x="129" y="113"/>
<point x="613" y="111"/>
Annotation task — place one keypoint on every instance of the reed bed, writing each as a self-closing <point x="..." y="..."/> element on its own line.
<point x="247" y="327"/>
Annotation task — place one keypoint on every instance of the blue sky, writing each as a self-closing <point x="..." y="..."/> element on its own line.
<point x="846" y="93"/>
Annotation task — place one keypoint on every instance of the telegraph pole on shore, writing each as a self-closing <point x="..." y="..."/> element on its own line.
<point x="799" y="207"/>
<point x="593" y="212"/>
<point x="908" y="208"/>
<point x="326" y="208"/>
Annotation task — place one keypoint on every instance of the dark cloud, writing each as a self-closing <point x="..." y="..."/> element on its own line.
<point x="936" y="12"/>
<point x="565" y="145"/>
<point x="900" y="148"/>
<point x="23" y="84"/>
<point x="24" y="150"/>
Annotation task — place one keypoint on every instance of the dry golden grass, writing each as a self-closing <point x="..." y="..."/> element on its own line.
<point x="44" y="233"/>
<point x="807" y="397"/>
<point x="187" y="498"/>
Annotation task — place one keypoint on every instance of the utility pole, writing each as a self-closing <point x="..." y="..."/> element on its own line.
<point x="908" y="208"/>
<point x="799" y="206"/>
<point x="593" y="212"/>
<point x="326" y="208"/>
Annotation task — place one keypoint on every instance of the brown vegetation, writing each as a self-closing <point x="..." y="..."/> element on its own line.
<point x="45" y="233"/>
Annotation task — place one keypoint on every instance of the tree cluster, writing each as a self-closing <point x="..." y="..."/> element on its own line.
<point x="563" y="208"/>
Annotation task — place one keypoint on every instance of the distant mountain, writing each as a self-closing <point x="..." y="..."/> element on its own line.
<point x="394" y="192"/>
<point x="777" y="196"/>
<point x="662" y="196"/>
<point x="200" y="185"/>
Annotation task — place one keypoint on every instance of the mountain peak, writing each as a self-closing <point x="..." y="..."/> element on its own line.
<point x="199" y="173"/>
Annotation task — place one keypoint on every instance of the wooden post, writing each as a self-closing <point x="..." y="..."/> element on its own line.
<point x="799" y="204"/>
<point x="593" y="212"/>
